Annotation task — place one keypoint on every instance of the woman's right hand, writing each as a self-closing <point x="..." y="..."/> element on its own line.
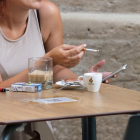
<point x="66" y="55"/>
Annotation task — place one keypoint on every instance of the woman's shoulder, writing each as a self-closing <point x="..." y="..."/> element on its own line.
<point x="50" y="18"/>
<point x="48" y="9"/>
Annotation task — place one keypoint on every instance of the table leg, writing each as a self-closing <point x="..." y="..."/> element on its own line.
<point x="84" y="128"/>
<point x="8" y="131"/>
<point x="89" y="128"/>
<point x="92" y="128"/>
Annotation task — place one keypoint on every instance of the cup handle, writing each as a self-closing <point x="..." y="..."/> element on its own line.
<point x="79" y="80"/>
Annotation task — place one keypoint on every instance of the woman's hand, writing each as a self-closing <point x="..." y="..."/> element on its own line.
<point x="66" y="55"/>
<point x="105" y="74"/>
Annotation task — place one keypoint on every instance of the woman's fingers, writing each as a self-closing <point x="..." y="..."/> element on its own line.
<point x="105" y="74"/>
<point x="76" y="57"/>
<point x="98" y="65"/>
<point x="67" y="55"/>
<point x="115" y="76"/>
<point x="76" y="50"/>
<point x="81" y="54"/>
<point x="71" y="63"/>
<point x="68" y="47"/>
<point x="107" y="81"/>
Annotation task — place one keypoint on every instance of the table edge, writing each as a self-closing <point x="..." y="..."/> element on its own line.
<point x="71" y="117"/>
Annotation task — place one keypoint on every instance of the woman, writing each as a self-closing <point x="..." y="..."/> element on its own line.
<point x="20" y="39"/>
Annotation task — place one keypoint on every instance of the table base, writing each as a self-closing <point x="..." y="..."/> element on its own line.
<point x="88" y="128"/>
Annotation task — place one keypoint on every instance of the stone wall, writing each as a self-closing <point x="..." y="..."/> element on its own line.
<point x="113" y="26"/>
<point x="109" y="6"/>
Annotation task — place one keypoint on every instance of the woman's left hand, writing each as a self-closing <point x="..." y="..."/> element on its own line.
<point x="105" y="74"/>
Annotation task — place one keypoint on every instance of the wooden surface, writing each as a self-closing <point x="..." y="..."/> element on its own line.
<point x="15" y="108"/>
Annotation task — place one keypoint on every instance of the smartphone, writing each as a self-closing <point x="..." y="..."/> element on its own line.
<point x="112" y="74"/>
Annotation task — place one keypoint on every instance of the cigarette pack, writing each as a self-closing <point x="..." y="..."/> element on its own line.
<point x="32" y="87"/>
<point x="25" y="87"/>
<point x="17" y="86"/>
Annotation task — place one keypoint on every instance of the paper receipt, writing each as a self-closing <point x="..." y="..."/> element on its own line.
<point x="54" y="100"/>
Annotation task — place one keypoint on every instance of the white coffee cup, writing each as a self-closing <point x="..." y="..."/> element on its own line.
<point x="91" y="80"/>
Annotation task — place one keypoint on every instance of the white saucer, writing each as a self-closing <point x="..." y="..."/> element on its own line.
<point x="59" y="83"/>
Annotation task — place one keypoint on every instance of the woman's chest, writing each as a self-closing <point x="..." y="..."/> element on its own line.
<point x="14" y="56"/>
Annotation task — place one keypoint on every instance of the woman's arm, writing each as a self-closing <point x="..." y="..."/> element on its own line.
<point x="21" y="77"/>
<point x="51" y="21"/>
<point x="63" y="73"/>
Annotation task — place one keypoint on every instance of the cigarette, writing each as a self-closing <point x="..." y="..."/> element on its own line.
<point x="92" y="50"/>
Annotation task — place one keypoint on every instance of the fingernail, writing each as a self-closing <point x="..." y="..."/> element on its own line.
<point x="85" y="45"/>
<point x="106" y="81"/>
<point x="115" y="75"/>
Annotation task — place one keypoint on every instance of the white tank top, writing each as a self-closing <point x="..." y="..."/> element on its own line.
<point x="14" y="54"/>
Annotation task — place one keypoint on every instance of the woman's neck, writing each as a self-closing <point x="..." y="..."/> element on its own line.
<point x="14" y="21"/>
<point x="14" y="17"/>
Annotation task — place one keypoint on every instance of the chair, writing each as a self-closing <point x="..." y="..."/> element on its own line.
<point x="133" y="128"/>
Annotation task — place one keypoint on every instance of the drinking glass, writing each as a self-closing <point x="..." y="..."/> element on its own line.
<point x="40" y="70"/>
